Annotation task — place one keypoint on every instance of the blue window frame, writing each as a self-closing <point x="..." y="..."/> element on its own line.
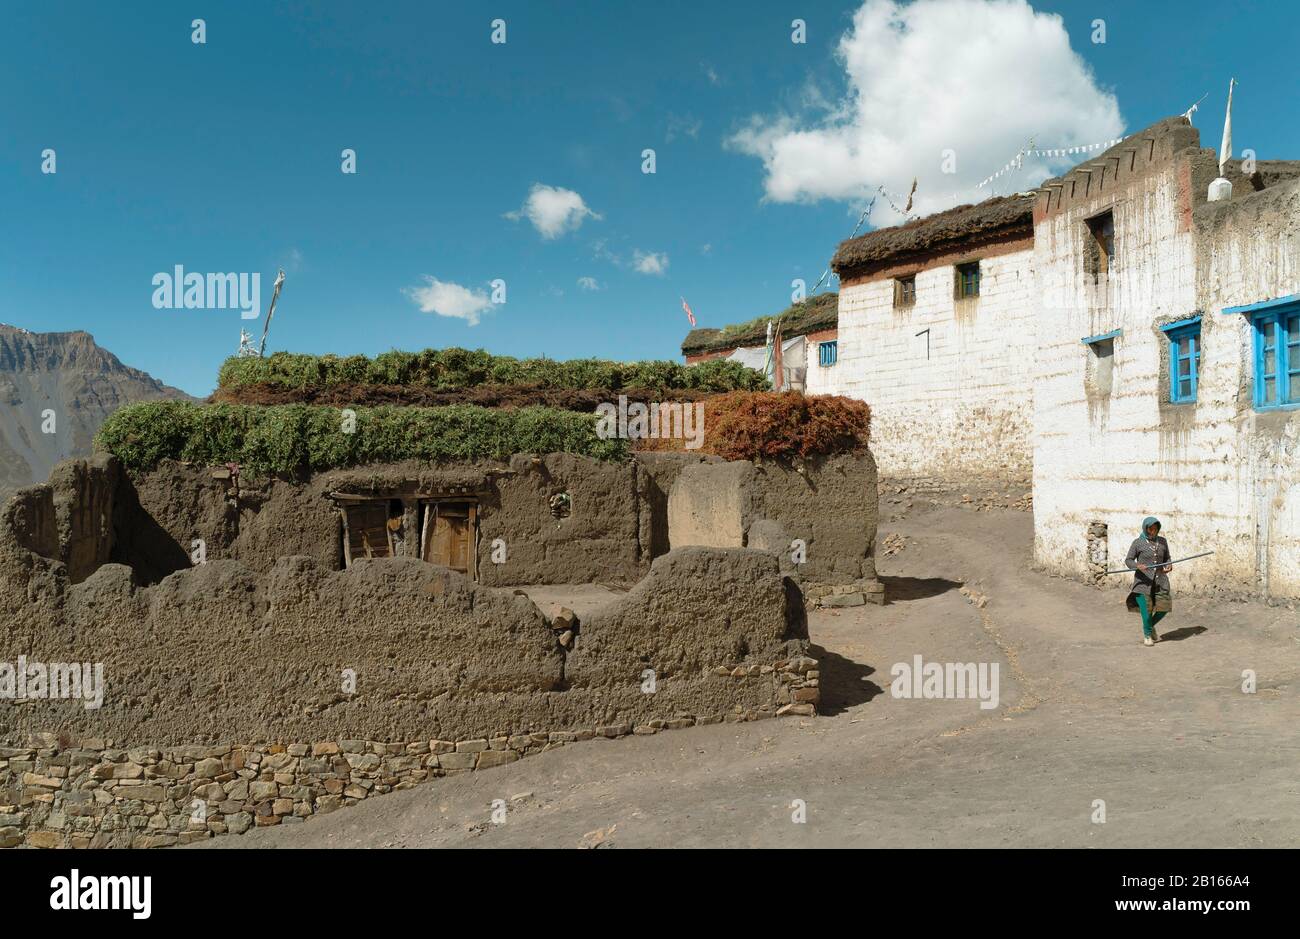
<point x="1184" y="359"/>
<point x="828" y="353"/>
<point x="1277" y="358"/>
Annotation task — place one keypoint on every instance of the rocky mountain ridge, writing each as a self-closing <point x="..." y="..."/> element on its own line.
<point x="56" y="389"/>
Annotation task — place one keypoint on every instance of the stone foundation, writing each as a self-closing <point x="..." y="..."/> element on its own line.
<point x="1097" y="553"/>
<point x="840" y="595"/>
<point x="57" y="792"/>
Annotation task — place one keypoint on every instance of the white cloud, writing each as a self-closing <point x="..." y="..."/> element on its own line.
<point x="978" y="77"/>
<point x="652" y="262"/>
<point x="643" y="262"/>
<point x="588" y="283"/>
<point x="448" y="299"/>
<point x="600" y="250"/>
<point x="687" y="126"/>
<point x="553" y="210"/>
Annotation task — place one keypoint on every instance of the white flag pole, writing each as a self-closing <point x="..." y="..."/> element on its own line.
<point x="1225" y="149"/>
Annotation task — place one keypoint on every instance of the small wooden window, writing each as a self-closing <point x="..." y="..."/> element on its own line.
<point x="968" y="280"/>
<point x="905" y="291"/>
<point x="366" y="530"/>
<point x="1100" y="259"/>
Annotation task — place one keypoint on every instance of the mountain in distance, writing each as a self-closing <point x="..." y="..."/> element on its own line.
<point x="81" y="382"/>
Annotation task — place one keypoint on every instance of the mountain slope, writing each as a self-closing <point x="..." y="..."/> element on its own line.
<point x="69" y="374"/>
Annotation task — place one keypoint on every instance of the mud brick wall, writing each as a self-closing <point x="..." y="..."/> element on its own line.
<point x="83" y="493"/>
<point x="657" y="473"/>
<point x="221" y="675"/>
<point x="70" y="518"/>
<point x="160" y="513"/>
<point x="278" y="691"/>
<point x="221" y="653"/>
<point x="830" y="503"/>
<point x="618" y="523"/>
<point x="30" y="524"/>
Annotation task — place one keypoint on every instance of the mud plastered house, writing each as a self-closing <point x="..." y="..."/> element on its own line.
<point x="277" y="644"/>
<point x="1130" y="344"/>
<point x="528" y="519"/>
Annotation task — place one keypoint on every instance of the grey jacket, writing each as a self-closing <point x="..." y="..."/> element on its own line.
<point x="1152" y="553"/>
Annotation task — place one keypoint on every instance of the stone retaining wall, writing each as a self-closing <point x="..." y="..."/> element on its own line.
<point x="58" y="792"/>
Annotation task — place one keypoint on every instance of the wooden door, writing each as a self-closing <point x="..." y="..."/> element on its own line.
<point x="449" y="535"/>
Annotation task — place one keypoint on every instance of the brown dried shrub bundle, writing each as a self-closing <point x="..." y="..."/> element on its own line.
<point x="747" y="425"/>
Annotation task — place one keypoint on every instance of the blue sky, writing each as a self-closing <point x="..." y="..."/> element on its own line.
<point x="225" y="156"/>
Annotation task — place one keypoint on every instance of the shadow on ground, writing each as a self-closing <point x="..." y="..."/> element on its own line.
<point x="915" y="588"/>
<point x="1185" y="632"/>
<point x="844" y="682"/>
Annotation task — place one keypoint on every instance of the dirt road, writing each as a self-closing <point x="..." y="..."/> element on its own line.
<point x="1164" y="736"/>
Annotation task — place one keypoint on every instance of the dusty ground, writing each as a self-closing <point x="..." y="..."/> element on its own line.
<point x="1164" y="735"/>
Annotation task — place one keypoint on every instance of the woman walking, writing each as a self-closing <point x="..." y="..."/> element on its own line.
<point x="1148" y="558"/>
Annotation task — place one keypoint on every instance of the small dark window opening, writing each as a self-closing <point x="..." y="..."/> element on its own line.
<point x="905" y="291"/>
<point x="968" y="280"/>
<point x="367" y="532"/>
<point x="1100" y="259"/>
<point x="561" y="505"/>
<point x="396" y="527"/>
<point x="1101" y="367"/>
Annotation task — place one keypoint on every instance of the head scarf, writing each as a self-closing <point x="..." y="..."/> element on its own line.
<point x="1147" y="523"/>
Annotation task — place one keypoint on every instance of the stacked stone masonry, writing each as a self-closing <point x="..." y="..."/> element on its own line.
<point x="56" y="792"/>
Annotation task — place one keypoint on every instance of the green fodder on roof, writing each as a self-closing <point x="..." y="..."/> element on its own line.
<point x="815" y="308"/>
<point x="818" y="312"/>
<point x="294" y="438"/>
<point x="450" y="369"/>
